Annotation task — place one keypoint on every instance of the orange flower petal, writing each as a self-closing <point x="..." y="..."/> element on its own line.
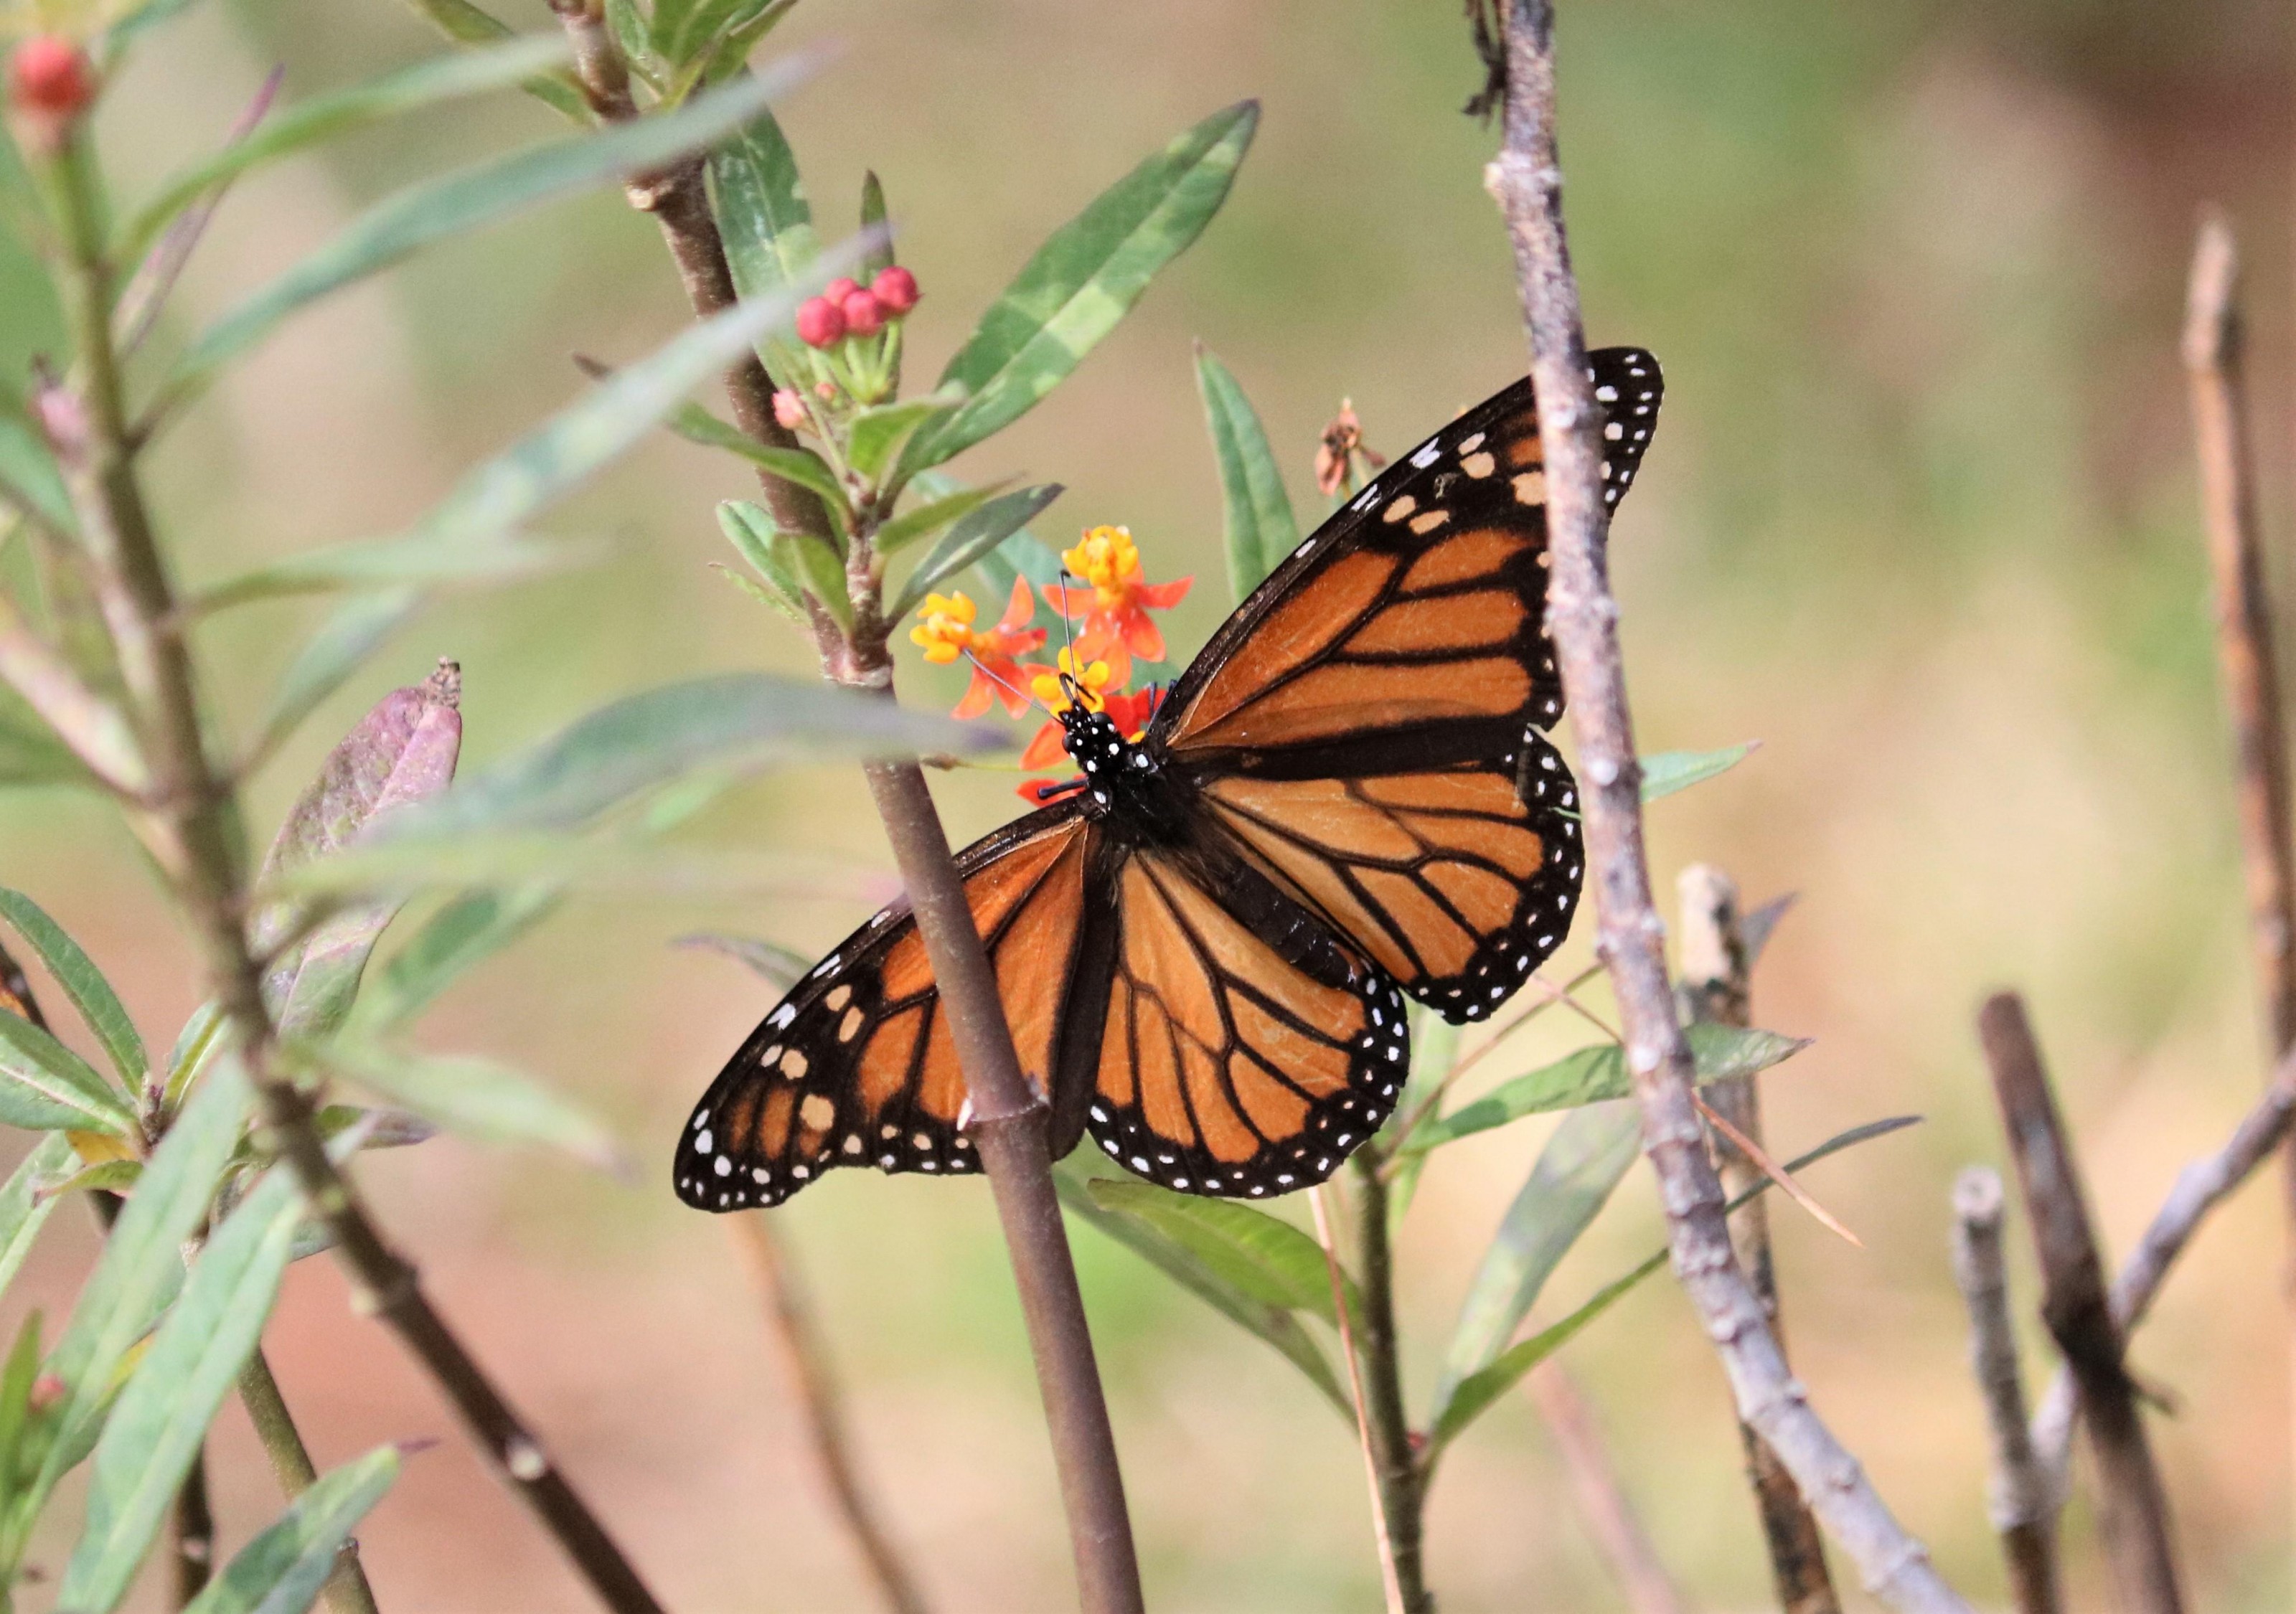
<point x="1046" y="749"/>
<point x="1163" y="597"/>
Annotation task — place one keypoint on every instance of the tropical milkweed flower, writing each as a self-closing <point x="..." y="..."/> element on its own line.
<point x="1052" y="685"/>
<point x="1117" y="625"/>
<point x="944" y="631"/>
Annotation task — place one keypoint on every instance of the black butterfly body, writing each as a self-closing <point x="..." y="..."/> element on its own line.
<point x="1204" y="949"/>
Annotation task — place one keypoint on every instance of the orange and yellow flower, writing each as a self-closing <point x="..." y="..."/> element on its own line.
<point x="1117" y="625"/>
<point x="944" y="631"/>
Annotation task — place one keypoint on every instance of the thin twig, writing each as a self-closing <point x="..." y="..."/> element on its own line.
<point x="192" y="1534"/>
<point x="807" y="1363"/>
<point x="1610" y="1518"/>
<point x="1718" y="988"/>
<point x="2133" y="1511"/>
<point x="1388" y="1581"/>
<point x="1009" y="1121"/>
<point x="1583" y="619"/>
<point x="188" y="827"/>
<point x="347" y="1591"/>
<point x="2198" y="1189"/>
<point x="1402" y="1481"/>
<point x="2022" y="1505"/>
<point x="1728" y="1135"/>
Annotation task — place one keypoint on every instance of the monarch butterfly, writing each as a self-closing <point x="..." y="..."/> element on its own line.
<point x="1204" y="949"/>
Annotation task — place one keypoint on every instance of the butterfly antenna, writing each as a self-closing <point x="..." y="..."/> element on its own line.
<point x="1068" y="629"/>
<point x="991" y="674"/>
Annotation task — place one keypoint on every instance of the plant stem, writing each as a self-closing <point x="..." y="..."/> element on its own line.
<point x="347" y="1591"/>
<point x="2133" y="1510"/>
<point x="191" y="1535"/>
<point x="1603" y="1502"/>
<point x="188" y="821"/>
<point x="1401" y="1484"/>
<point x="1389" y="1582"/>
<point x="1717" y="988"/>
<point x="807" y="1363"/>
<point x="2023" y="1505"/>
<point x="1527" y="181"/>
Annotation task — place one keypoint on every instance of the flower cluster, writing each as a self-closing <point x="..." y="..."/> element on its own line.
<point x="848" y="309"/>
<point x="854" y="334"/>
<point x="1113" y="603"/>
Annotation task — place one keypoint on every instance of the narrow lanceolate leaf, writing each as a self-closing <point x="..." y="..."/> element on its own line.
<point x="402" y="752"/>
<point x="98" y="1004"/>
<point x="413" y="560"/>
<point x="1084" y="280"/>
<point x="874" y="435"/>
<point x="750" y="529"/>
<point x="1594" y="1074"/>
<point x="337" y="113"/>
<point x="31" y="755"/>
<point x="734" y="722"/>
<point x="1261" y="529"/>
<point x="465" y="933"/>
<point x="930" y="518"/>
<point x="778" y="966"/>
<point x="22" y="1211"/>
<point x="485" y="194"/>
<point x="973" y="539"/>
<point x="44" y="1086"/>
<point x="1273" y="1324"/>
<point x="625" y="865"/>
<point x="353" y="631"/>
<point x="1572" y="1179"/>
<point x="1667" y="772"/>
<point x="1475" y="1393"/>
<point x="282" y="1569"/>
<point x="142" y="1266"/>
<point x="1267" y="1260"/>
<point x="477" y="1098"/>
<point x="154" y="1429"/>
<point x="762" y="211"/>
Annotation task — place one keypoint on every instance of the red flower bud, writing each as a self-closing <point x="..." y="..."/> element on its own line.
<point x="837" y="291"/>
<point x="820" y="322"/>
<point x="896" y="289"/>
<point x="50" y="75"/>
<point x="864" y="315"/>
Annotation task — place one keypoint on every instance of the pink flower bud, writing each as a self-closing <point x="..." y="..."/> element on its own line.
<point x="837" y="291"/>
<point x="50" y="75"/>
<point x="789" y="409"/>
<point x="896" y="289"/>
<point x="820" y="322"/>
<point x="826" y="391"/>
<point x="864" y="315"/>
<point x="47" y="1390"/>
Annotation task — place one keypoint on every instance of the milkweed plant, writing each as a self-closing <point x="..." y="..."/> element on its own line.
<point x="217" y="1153"/>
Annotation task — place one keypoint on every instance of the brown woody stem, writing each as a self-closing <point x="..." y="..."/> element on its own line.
<point x="1527" y="181"/>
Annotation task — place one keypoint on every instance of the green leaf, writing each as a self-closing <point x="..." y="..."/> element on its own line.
<point x="467" y="931"/>
<point x="1084" y="280"/>
<point x="98" y="1004"/>
<point x="481" y="195"/>
<point x="142" y="1266"/>
<point x="155" y="1428"/>
<point x="930" y="518"/>
<point x="752" y="531"/>
<point x="1273" y="1324"/>
<point x="411" y="560"/>
<point x="1266" y="1260"/>
<point x="282" y="1569"/>
<point x="1261" y="530"/>
<point x="876" y="435"/>
<point x="802" y="466"/>
<point x="1476" y="1392"/>
<point x="1667" y="772"/>
<point x="45" y="1085"/>
<point x="1599" y="1072"/>
<point x="321" y="118"/>
<point x="23" y="1211"/>
<point x="353" y="631"/>
<point x="1021" y="555"/>
<point x="30" y="755"/>
<point x="402" y="752"/>
<point x="707" y="26"/>
<point x="477" y="1098"/>
<point x="17" y="1377"/>
<point x="621" y="865"/>
<point x="762" y="213"/>
<point x="1585" y="1159"/>
<point x="116" y="1176"/>
<point x="729" y="53"/>
<point x="779" y="967"/>
<point x="873" y="225"/>
<point x="971" y="540"/>
<point x="29" y="471"/>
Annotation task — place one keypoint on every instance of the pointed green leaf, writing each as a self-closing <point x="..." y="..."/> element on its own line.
<point x="412" y="560"/>
<point x="1084" y="280"/>
<point x="17" y="1377"/>
<point x="878" y="433"/>
<point x="707" y="29"/>
<point x="282" y="1569"/>
<point x="762" y="211"/>
<point x="467" y="931"/>
<point x="1585" y="1159"/>
<point x="30" y="755"/>
<point x="1594" y="1074"/>
<point x="750" y="529"/>
<point x="1272" y="1324"/>
<point x="481" y="195"/>
<point x="477" y="1098"/>
<point x="778" y="966"/>
<point x="930" y="518"/>
<point x="45" y="1085"/>
<point x="1476" y="1392"/>
<point x="1261" y="529"/>
<point x="155" y="1428"/>
<point x="98" y="1004"/>
<point x="872" y="223"/>
<point x="353" y="631"/>
<point x="322" y="117"/>
<point x="971" y="540"/>
<point x="1267" y="1260"/>
<point x="1667" y="772"/>
<point x="23" y="1212"/>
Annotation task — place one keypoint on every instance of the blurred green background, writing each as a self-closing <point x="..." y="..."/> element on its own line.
<point x="1920" y="517"/>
